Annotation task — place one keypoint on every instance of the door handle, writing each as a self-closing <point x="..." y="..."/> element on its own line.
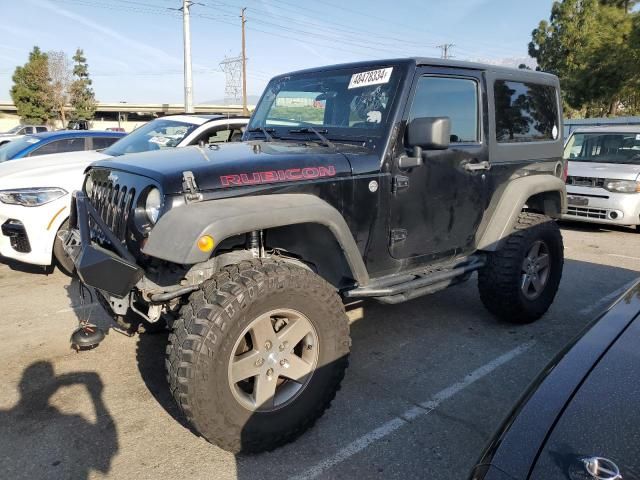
<point x="477" y="166"/>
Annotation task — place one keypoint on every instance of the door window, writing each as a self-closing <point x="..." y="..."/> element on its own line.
<point x="456" y="98"/>
<point x="103" y="142"/>
<point x="525" y="112"/>
<point x="60" y="146"/>
<point x="228" y="134"/>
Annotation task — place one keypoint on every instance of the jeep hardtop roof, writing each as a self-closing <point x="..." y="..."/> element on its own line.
<point x="436" y="62"/>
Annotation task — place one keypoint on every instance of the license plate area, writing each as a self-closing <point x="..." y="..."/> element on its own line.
<point x="578" y="201"/>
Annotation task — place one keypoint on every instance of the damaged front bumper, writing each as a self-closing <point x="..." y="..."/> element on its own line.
<point x="114" y="273"/>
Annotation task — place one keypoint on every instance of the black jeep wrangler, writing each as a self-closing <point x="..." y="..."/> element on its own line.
<point x="386" y="180"/>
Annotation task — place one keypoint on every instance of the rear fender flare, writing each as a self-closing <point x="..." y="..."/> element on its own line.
<point x="514" y="199"/>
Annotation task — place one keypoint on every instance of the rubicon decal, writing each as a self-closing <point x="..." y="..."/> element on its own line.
<point x="272" y="176"/>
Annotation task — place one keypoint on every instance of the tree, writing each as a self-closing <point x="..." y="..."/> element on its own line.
<point x="587" y="43"/>
<point x="626" y="5"/>
<point x="31" y="91"/>
<point x="82" y="98"/>
<point x="60" y="75"/>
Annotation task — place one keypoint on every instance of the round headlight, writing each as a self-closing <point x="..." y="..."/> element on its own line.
<point x="153" y="204"/>
<point x="88" y="186"/>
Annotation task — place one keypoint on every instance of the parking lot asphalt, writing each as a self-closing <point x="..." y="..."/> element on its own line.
<point x="429" y="382"/>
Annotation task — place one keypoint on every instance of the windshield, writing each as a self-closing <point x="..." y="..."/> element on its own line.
<point x="11" y="149"/>
<point x="155" y="135"/>
<point x="15" y="129"/>
<point x="604" y="148"/>
<point x="340" y="103"/>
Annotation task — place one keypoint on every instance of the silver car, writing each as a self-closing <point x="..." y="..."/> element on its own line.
<point x="603" y="183"/>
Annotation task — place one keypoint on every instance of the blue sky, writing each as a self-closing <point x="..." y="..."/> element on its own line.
<point x="134" y="47"/>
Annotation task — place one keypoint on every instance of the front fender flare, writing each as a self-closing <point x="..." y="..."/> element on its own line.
<point x="175" y="235"/>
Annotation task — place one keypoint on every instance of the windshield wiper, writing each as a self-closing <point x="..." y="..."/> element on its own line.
<point x="265" y="131"/>
<point x="318" y="133"/>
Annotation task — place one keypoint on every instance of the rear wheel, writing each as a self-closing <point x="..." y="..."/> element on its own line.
<point x="520" y="280"/>
<point x="258" y="355"/>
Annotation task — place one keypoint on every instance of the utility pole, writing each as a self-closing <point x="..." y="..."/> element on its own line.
<point x="188" y="79"/>
<point x="245" y="110"/>
<point x="446" y="47"/>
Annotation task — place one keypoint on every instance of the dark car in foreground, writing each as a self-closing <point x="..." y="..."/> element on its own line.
<point x="579" y="419"/>
<point x="63" y="141"/>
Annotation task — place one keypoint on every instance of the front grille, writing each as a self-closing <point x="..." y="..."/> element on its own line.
<point x="593" y="182"/>
<point x="586" y="212"/>
<point x="113" y="203"/>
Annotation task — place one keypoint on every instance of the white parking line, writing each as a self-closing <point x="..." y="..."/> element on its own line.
<point x="623" y="256"/>
<point x="607" y="299"/>
<point x="405" y="418"/>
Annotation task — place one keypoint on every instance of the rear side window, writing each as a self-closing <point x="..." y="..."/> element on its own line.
<point x="103" y="142"/>
<point x="60" y="146"/>
<point x="456" y="98"/>
<point x="41" y="129"/>
<point x="525" y="112"/>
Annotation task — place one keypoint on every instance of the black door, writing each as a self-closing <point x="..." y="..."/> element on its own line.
<point x="438" y="206"/>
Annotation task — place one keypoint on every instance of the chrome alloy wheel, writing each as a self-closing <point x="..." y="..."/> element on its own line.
<point x="273" y="360"/>
<point x="536" y="269"/>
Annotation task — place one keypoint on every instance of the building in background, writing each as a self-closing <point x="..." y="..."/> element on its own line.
<point x="124" y="115"/>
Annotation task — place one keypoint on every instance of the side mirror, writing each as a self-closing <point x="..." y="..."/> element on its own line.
<point x="430" y="133"/>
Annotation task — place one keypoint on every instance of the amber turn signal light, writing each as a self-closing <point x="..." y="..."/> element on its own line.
<point x="206" y="243"/>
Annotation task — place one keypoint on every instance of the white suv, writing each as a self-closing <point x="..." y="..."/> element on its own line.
<point x="603" y="185"/>
<point x="35" y="193"/>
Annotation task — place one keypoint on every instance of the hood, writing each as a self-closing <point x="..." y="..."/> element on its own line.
<point x="56" y="170"/>
<point x="601" y="418"/>
<point x="238" y="164"/>
<point x="620" y="171"/>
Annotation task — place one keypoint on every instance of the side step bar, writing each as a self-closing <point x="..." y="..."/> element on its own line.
<point x="400" y="288"/>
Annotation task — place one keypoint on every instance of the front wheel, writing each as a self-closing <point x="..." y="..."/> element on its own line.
<point x="62" y="260"/>
<point x="258" y="355"/>
<point x="521" y="279"/>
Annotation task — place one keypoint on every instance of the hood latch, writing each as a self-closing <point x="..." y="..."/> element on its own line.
<point x="190" y="188"/>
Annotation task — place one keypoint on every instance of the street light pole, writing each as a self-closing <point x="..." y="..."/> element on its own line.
<point x="245" y="110"/>
<point x="188" y="79"/>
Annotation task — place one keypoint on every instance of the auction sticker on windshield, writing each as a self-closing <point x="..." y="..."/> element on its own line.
<point x="372" y="77"/>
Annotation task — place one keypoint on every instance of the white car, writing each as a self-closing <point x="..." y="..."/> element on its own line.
<point x="20" y="131"/>
<point x="35" y="193"/>
<point x="603" y="185"/>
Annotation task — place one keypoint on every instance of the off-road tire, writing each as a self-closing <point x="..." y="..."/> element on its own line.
<point x="60" y="257"/>
<point x="201" y="344"/>
<point x="500" y="280"/>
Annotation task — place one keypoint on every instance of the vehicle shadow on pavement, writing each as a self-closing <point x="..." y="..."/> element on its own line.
<point x="150" y="352"/>
<point x="26" y="267"/>
<point x="38" y="441"/>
